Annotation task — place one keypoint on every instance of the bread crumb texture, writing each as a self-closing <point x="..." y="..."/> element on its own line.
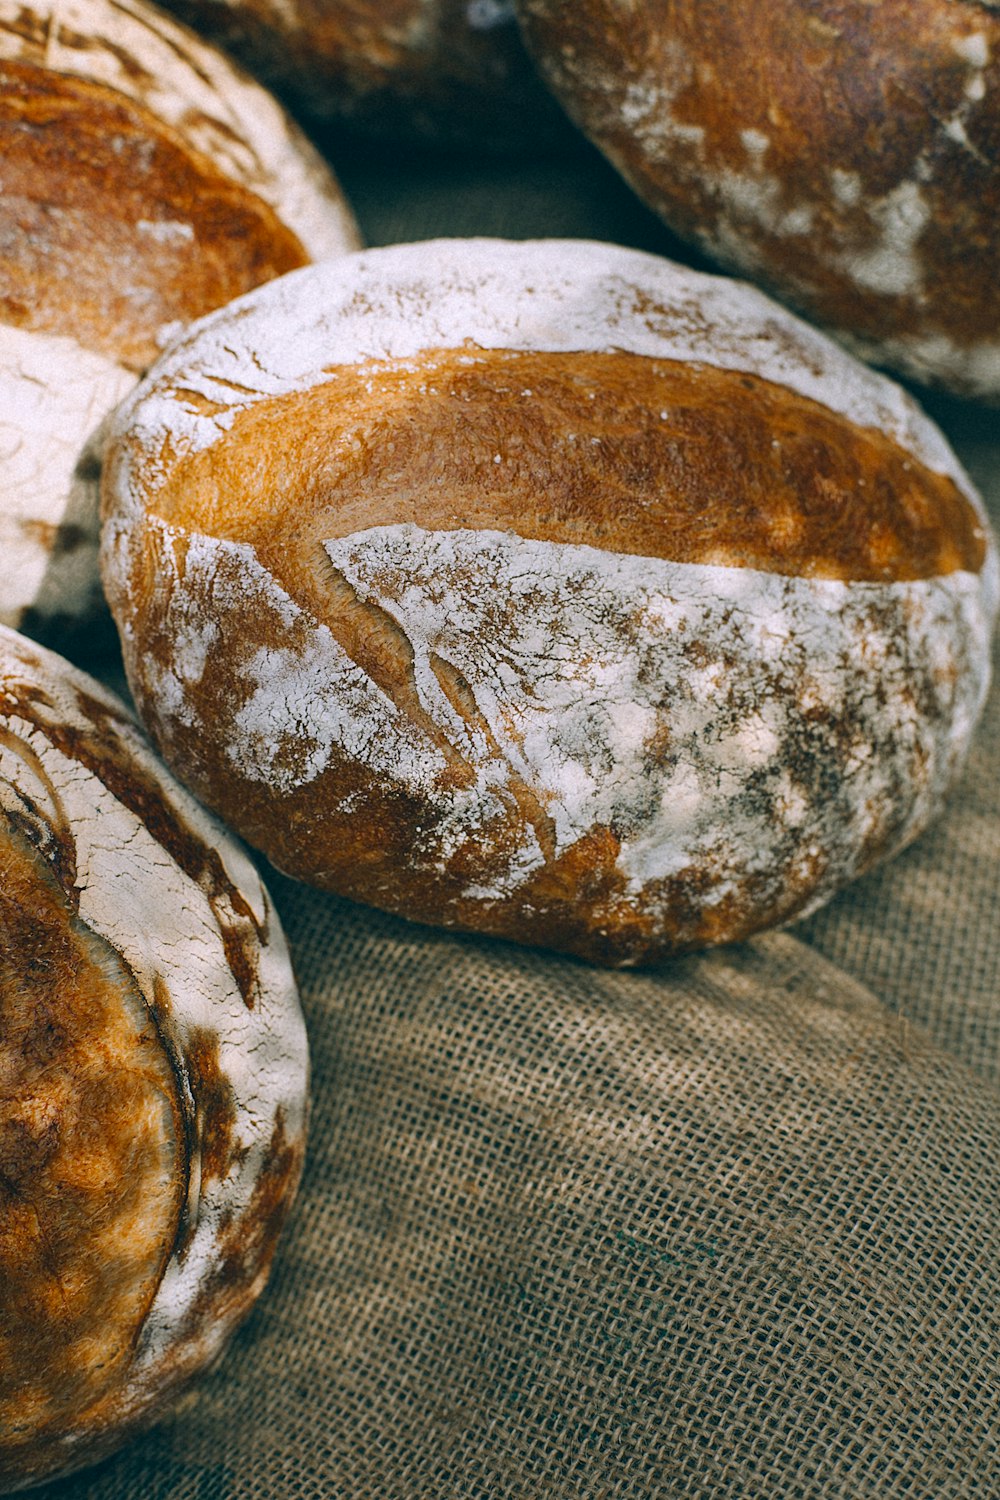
<point x="548" y="590"/>
<point x="152" y="1076"/>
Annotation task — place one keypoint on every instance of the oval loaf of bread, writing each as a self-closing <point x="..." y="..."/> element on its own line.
<point x="846" y="155"/>
<point x="153" y="1075"/>
<point x="145" y="182"/>
<point x="549" y="590"/>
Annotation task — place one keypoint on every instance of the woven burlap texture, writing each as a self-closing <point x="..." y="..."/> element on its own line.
<point x="725" y="1230"/>
<point x="721" y="1231"/>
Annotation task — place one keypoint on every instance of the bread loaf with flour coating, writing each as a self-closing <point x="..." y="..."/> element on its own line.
<point x="145" y="182"/>
<point x="845" y="154"/>
<point x="547" y="590"/>
<point x="153" y="1075"/>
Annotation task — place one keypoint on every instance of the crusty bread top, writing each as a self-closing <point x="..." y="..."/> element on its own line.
<point x="550" y="295"/>
<point x="617" y="451"/>
<point x="161" y="66"/>
<point x="113" y="228"/>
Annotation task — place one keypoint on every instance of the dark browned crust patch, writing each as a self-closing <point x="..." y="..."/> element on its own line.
<point x="92" y="1169"/>
<point x="393" y="68"/>
<point x="111" y="225"/>
<point x="617" y="451"/>
<point x="873" y="92"/>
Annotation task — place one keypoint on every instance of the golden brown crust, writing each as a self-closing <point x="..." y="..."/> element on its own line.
<point x="93" y="1164"/>
<point x="843" y="154"/>
<point x="634" y="455"/>
<point x="621" y="652"/>
<point x="111" y="225"/>
<point x="152" y="1076"/>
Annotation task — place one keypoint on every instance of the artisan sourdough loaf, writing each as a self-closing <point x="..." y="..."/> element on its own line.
<point x="548" y="590"/>
<point x="450" y="72"/>
<point x="844" y="154"/>
<point x="153" y="1075"/>
<point x="145" y="182"/>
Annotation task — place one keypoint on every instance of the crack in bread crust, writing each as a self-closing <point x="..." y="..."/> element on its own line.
<point x="631" y="454"/>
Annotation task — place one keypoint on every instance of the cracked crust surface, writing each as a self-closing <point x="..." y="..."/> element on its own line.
<point x="152" y="1076"/>
<point x="845" y="155"/>
<point x="611" y="624"/>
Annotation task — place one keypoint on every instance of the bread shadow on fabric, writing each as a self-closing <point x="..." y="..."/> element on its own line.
<point x="586" y="1212"/>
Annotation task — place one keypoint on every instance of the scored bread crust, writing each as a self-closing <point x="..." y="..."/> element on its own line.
<point x="519" y="725"/>
<point x="215" y="190"/>
<point x="137" y="51"/>
<point x="126" y="875"/>
<point x="845" y="156"/>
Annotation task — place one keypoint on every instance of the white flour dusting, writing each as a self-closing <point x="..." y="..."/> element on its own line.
<point x="53" y="395"/>
<point x="549" y="296"/>
<point x="167" y="925"/>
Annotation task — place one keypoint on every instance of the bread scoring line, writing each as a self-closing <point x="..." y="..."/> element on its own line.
<point x="576" y="660"/>
<point x="400" y="302"/>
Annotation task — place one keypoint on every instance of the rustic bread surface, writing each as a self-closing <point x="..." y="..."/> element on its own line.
<point x="845" y="155"/>
<point x="153" y="1067"/>
<point x="145" y="182"/>
<point x="549" y="590"/>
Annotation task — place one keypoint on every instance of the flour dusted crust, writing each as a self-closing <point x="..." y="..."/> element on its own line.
<point x="448" y="71"/>
<point x="145" y="181"/>
<point x="153" y="1075"/>
<point x="548" y="590"/>
<point x="843" y="155"/>
<point x="137" y="51"/>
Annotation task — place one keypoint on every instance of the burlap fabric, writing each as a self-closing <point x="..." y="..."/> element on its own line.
<point x="724" y="1230"/>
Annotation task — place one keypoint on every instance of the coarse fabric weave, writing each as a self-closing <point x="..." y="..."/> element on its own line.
<point x="726" y="1229"/>
<point x="722" y="1231"/>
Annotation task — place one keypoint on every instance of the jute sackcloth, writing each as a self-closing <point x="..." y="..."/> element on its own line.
<point x="728" y="1229"/>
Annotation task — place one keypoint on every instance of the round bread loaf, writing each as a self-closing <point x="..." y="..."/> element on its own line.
<point x="145" y="182"/>
<point x="153" y="1075"/>
<point x="448" y="72"/>
<point x="843" y="153"/>
<point x="549" y="590"/>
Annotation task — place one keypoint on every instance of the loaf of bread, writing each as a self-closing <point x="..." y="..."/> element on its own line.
<point x="548" y="590"/>
<point x="145" y="182"/>
<point x="844" y="155"/>
<point x="153" y="1075"/>
<point x="446" y="72"/>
